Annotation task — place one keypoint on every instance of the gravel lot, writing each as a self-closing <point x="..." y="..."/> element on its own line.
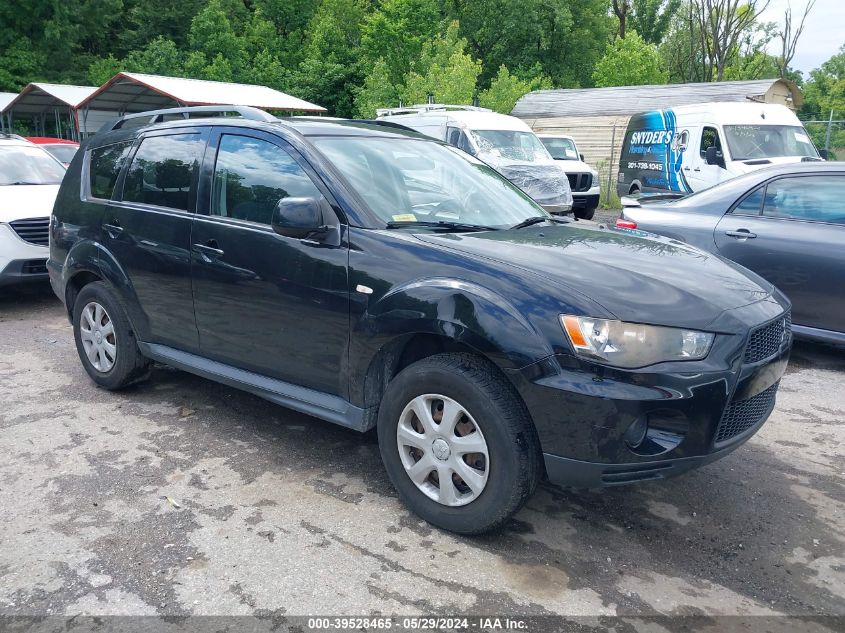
<point x="182" y="496"/>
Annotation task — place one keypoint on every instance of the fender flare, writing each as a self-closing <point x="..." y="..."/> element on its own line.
<point x="457" y="310"/>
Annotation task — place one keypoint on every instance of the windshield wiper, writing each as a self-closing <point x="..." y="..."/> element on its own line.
<point x="441" y="224"/>
<point x="540" y="218"/>
<point x="22" y="182"/>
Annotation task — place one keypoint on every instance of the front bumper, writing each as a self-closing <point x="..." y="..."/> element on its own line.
<point x="693" y="412"/>
<point x="585" y="201"/>
<point x="20" y="261"/>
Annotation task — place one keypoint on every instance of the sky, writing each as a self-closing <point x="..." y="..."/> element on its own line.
<point x="824" y="30"/>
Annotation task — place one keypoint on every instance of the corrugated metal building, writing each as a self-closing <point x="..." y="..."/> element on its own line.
<point x="138" y="92"/>
<point x="597" y="117"/>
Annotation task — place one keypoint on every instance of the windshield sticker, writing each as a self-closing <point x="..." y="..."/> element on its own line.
<point x="405" y="217"/>
<point x="801" y="137"/>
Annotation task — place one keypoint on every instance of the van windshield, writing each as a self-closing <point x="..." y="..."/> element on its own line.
<point x="509" y="144"/>
<point x="748" y="142"/>
<point x="561" y="148"/>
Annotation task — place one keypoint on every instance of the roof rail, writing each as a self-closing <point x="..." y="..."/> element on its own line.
<point x="428" y="107"/>
<point x="156" y="116"/>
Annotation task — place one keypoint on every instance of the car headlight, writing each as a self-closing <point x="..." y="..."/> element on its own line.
<point x="633" y="344"/>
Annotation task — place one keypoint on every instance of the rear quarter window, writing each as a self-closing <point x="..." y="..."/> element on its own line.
<point x="105" y="165"/>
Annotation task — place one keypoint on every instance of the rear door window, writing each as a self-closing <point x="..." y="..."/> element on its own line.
<point x="163" y="170"/>
<point x="104" y="168"/>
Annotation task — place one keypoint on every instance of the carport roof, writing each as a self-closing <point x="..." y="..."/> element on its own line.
<point x="6" y="98"/>
<point x="38" y="97"/>
<point x="137" y="92"/>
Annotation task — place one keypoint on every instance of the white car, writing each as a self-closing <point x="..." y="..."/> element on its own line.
<point x="29" y="182"/>
<point x="583" y="179"/>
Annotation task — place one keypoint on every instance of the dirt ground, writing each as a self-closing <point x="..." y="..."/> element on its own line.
<point x="181" y="496"/>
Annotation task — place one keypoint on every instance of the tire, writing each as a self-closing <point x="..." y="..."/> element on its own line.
<point x="585" y="214"/>
<point x="492" y="408"/>
<point x="634" y="191"/>
<point x="116" y="362"/>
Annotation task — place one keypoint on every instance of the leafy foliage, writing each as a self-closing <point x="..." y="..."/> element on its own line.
<point x="629" y="62"/>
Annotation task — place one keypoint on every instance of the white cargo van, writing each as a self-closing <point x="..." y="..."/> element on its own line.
<point x="504" y="142"/>
<point x="693" y="147"/>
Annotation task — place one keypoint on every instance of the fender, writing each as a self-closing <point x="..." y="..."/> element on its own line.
<point x="464" y="312"/>
<point x="91" y="256"/>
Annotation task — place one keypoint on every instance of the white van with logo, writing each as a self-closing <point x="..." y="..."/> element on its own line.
<point x="504" y="142"/>
<point x="694" y="147"/>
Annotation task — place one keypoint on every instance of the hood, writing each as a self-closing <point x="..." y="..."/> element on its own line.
<point x="644" y="279"/>
<point x="18" y="202"/>
<point x="545" y="182"/>
<point x="575" y="166"/>
<point x="753" y="164"/>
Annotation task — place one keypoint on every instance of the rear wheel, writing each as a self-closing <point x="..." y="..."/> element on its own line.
<point x="104" y="339"/>
<point x="457" y="443"/>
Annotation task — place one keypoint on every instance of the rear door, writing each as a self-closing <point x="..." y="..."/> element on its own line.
<point x="274" y="305"/>
<point x="147" y="229"/>
<point x="791" y="231"/>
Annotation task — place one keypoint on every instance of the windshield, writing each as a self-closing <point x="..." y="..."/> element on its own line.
<point x="748" y="142"/>
<point x="561" y="148"/>
<point x="414" y="180"/>
<point x="63" y="152"/>
<point x="22" y="165"/>
<point x="523" y="146"/>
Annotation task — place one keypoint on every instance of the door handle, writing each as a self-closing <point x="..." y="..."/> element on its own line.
<point x="114" y="229"/>
<point x="743" y="234"/>
<point x="686" y="168"/>
<point x="208" y="251"/>
<point x="697" y="169"/>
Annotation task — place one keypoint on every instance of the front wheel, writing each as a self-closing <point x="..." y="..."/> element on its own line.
<point x="585" y="214"/>
<point x="458" y="443"/>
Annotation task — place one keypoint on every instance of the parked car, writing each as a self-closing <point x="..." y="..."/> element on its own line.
<point x="373" y="277"/>
<point x="693" y="147"/>
<point x="29" y="182"/>
<point x="583" y="179"/>
<point x="504" y="142"/>
<point x="786" y="223"/>
<point x="62" y="149"/>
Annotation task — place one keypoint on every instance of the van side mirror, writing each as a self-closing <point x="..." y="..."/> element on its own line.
<point x="823" y="154"/>
<point x="581" y="156"/>
<point x="298" y="217"/>
<point x="713" y="157"/>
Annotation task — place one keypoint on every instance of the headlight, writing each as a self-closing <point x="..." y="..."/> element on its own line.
<point x="633" y="344"/>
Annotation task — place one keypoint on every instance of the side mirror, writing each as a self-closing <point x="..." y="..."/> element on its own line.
<point x="581" y="156"/>
<point x="298" y="217"/>
<point x="712" y="157"/>
<point x="823" y="153"/>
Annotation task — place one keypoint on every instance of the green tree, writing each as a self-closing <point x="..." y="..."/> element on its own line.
<point x="651" y="18"/>
<point x="629" y="62"/>
<point x="825" y="89"/>
<point x="506" y="89"/>
<point x="443" y="70"/>
<point x="378" y="91"/>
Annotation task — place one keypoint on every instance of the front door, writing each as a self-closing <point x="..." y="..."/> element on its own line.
<point x="266" y="303"/>
<point x="791" y="232"/>
<point x="147" y="230"/>
<point x="701" y="175"/>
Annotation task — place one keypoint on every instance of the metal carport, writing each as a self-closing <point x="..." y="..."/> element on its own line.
<point x="137" y="92"/>
<point x="49" y="106"/>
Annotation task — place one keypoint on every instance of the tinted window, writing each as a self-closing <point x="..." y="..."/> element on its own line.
<point x="161" y="172"/>
<point x="710" y="138"/>
<point x="751" y="204"/>
<point x="106" y="163"/>
<point x="816" y="198"/>
<point x="251" y="176"/>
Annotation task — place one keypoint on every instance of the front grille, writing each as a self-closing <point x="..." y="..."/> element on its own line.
<point x="580" y="182"/>
<point x="34" y="267"/>
<point x="33" y="230"/>
<point x="742" y="415"/>
<point x="766" y="340"/>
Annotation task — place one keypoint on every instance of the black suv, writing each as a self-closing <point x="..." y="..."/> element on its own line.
<point x="374" y="277"/>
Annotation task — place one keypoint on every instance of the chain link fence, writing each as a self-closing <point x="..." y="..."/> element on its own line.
<point x="828" y="135"/>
